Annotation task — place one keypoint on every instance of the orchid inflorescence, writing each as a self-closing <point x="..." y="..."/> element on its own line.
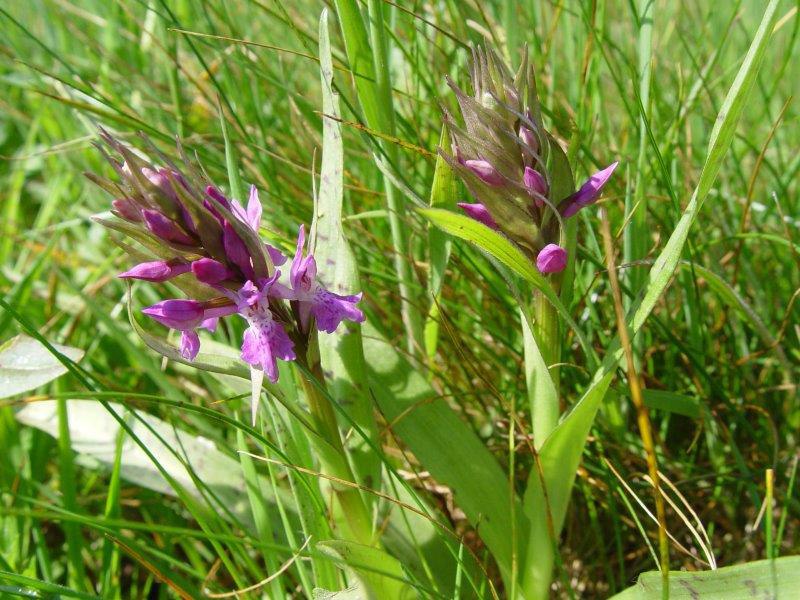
<point x="196" y="232"/>
<point x="513" y="167"/>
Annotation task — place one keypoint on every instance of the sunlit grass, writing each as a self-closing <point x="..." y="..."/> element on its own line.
<point x="721" y="343"/>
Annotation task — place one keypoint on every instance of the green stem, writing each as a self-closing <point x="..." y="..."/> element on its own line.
<point x="350" y="511"/>
<point x="334" y="460"/>
<point x="546" y="410"/>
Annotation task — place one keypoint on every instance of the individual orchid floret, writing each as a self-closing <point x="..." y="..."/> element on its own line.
<point x="478" y="212"/>
<point x="485" y="170"/>
<point x="528" y="138"/>
<point x="265" y="340"/>
<point x="127" y="209"/>
<point x="536" y="185"/>
<point x="165" y="228"/>
<point x="589" y="192"/>
<point x="177" y="314"/>
<point x="157" y="270"/>
<point x="551" y="259"/>
<point x="313" y="300"/>
<point x="211" y="272"/>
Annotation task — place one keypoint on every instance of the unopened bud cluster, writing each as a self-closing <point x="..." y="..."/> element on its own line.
<point x="515" y="170"/>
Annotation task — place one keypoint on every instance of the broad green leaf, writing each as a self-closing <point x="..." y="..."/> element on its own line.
<point x="444" y="444"/>
<point x="368" y="55"/>
<point x="493" y="243"/>
<point x="355" y="592"/>
<point x="766" y="579"/>
<point x="559" y="458"/>
<point x="381" y="576"/>
<point x="563" y="449"/>
<point x="359" y="54"/>
<point x="341" y="353"/>
<point x="94" y="431"/>
<point x="541" y="389"/>
<point x="26" y="364"/>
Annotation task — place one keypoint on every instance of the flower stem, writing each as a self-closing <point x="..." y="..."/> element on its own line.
<point x="333" y="458"/>
<point x="546" y="328"/>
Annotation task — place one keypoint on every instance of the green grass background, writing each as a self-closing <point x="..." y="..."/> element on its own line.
<point x="721" y="351"/>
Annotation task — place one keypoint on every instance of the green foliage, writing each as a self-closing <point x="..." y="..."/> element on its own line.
<point x="155" y="486"/>
<point x="762" y="578"/>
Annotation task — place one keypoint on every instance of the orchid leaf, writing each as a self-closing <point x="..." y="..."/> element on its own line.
<point x="341" y="352"/>
<point x="758" y="579"/>
<point x="418" y="415"/>
<point x="386" y="582"/>
<point x="26" y="364"/>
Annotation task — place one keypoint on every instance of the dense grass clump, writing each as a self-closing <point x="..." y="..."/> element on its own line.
<point x="136" y="475"/>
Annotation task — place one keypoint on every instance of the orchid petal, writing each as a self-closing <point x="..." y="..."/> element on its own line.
<point x="190" y="344"/>
<point x="210" y="271"/>
<point x="484" y="170"/>
<point x="589" y="192"/>
<point x="177" y="314"/>
<point x="478" y="212"/>
<point x="165" y="228"/>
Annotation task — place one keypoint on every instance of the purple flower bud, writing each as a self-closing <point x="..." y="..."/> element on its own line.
<point x="551" y="259"/>
<point x="457" y="153"/>
<point x="479" y="213"/>
<point x="536" y="184"/>
<point x="190" y="344"/>
<point x="157" y="270"/>
<point x="210" y="271"/>
<point x="236" y="250"/>
<point x="217" y="197"/>
<point x="160" y="180"/>
<point x="589" y="191"/>
<point x="183" y="315"/>
<point x="127" y="209"/>
<point x="165" y="228"/>
<point x="485" y="171"/>
<point x="529" y="138"/>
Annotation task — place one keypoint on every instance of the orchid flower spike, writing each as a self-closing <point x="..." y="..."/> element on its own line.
<point x="197" y="231"/>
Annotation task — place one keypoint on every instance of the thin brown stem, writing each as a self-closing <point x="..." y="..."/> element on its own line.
<point x="642" y="414"/>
